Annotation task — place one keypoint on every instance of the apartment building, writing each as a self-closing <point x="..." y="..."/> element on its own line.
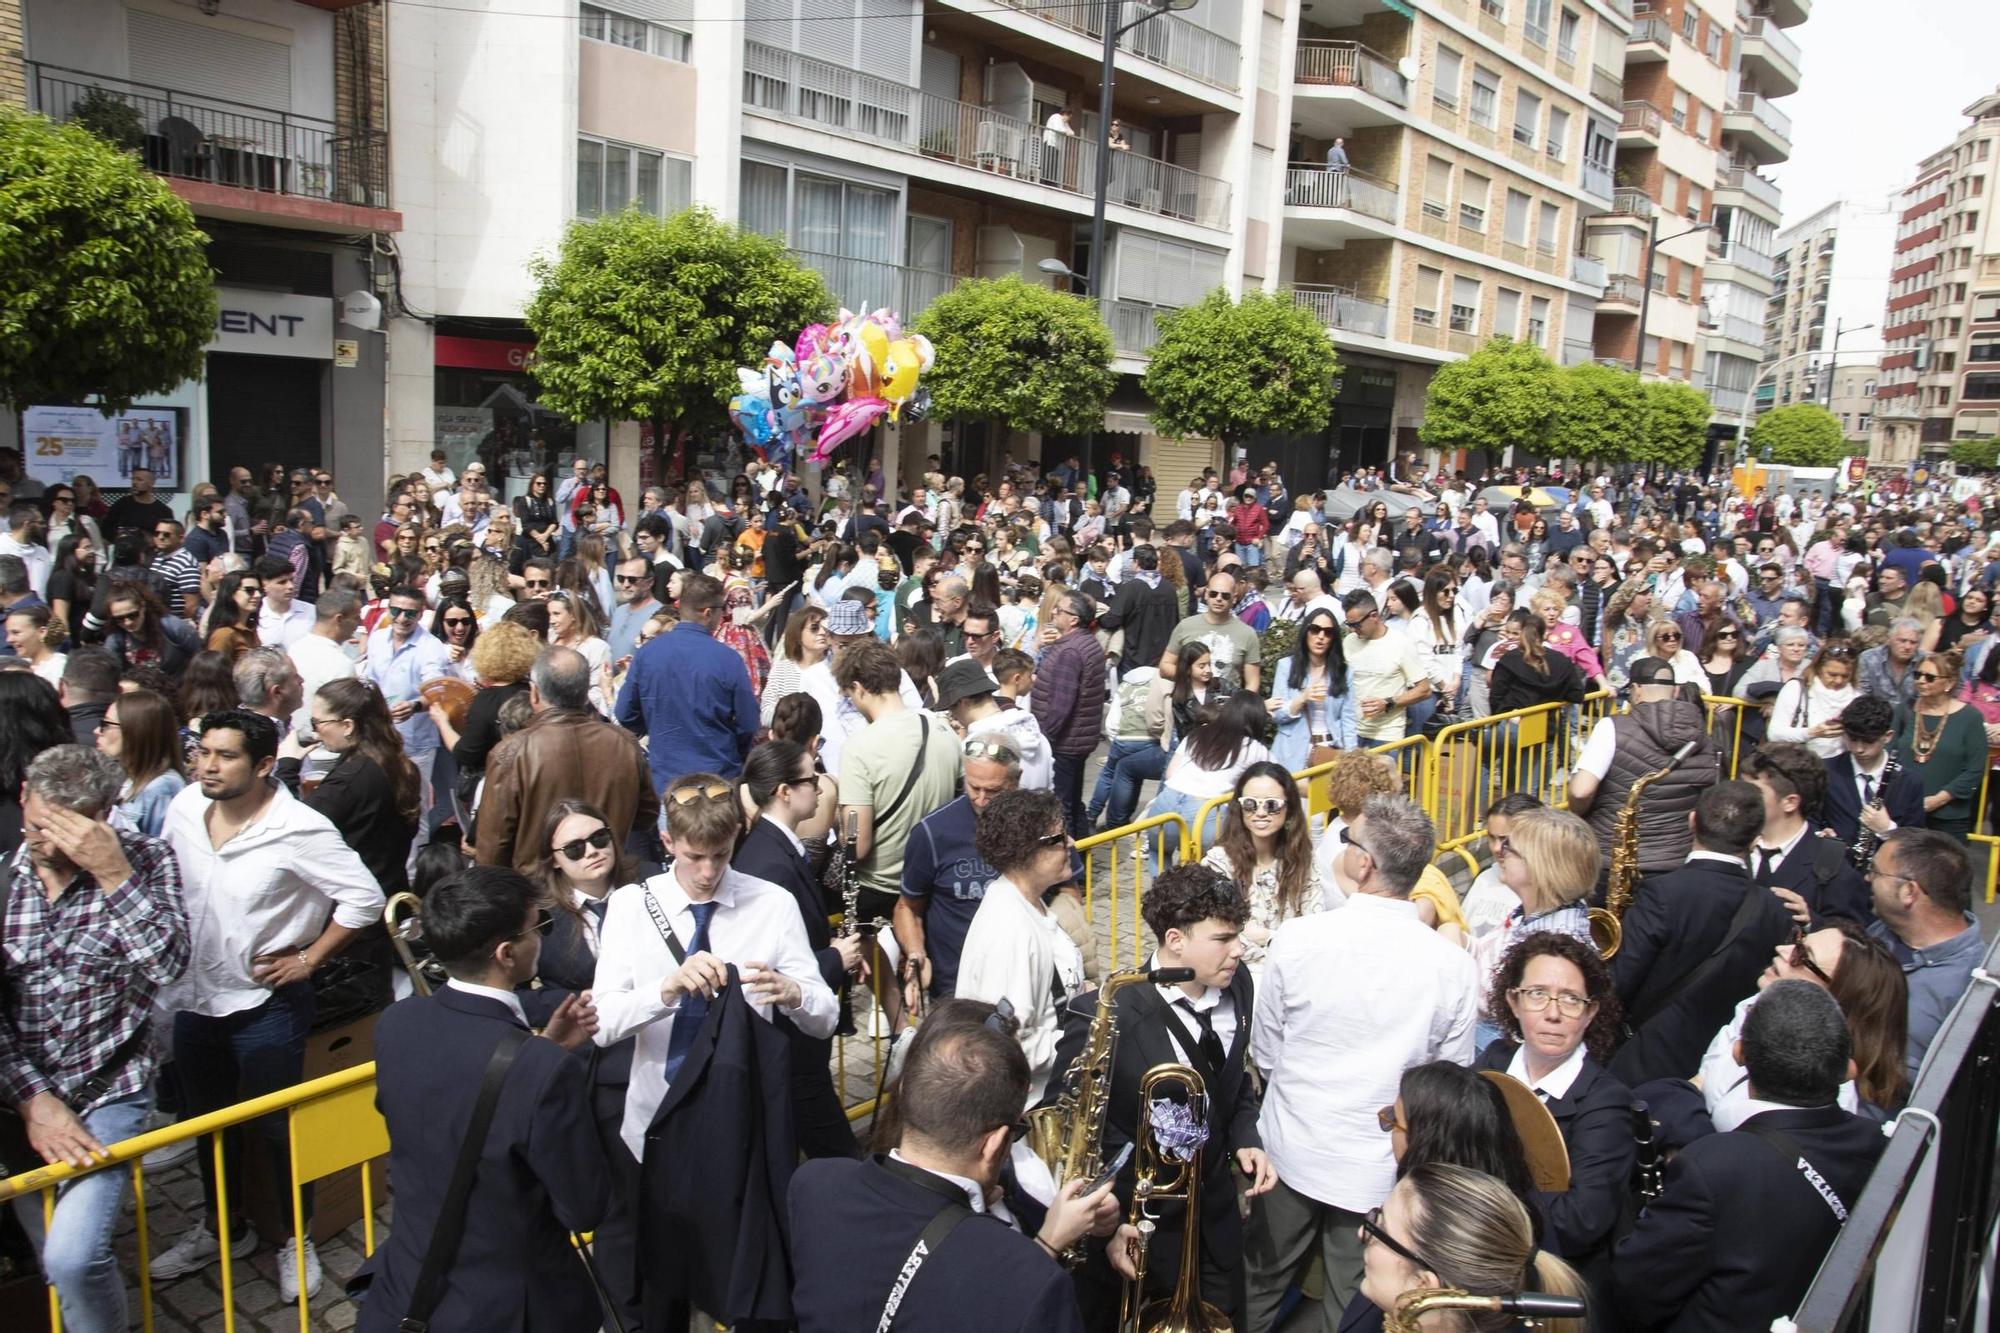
<point x="1827" y="300"/>
<point x="1850" y="395"/>
<point x="269" y="118"/>
<point x="1940" y="376"/>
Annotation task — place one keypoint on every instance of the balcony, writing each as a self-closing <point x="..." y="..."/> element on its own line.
<point x="1588" y="270"/>
<point x="1784" y="13"/>
<point x="864" y="284"/>
<point x="1640" y="123"/>
<point x="1771" y="57"/>
<point x="1621" y="290"/>
<point x="1623" y="8"/>
<point x="1313" y="187"/>
<point x="246" y="151"/>
<point x="1754" y="188"/>
<point x="1607" y="85"/>
<point x="1597" y="180"/>
<point x="1743" y="257"/>
<point x="1576" y="351"/>
<point x="1167" y="40"/>
<point x="1766" y="130"/>
<point x="1632" y="203"/>
<point x="875" y="111"/>
<point x="1321" y="65"/>
<point x="1739" y="329"/>
<point x="1339" y="308"/>
<point x="1135" y="326"/>
<point x="1650" y="41"/>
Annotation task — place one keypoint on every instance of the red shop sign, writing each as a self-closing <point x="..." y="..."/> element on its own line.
<point x="483" y="353"/>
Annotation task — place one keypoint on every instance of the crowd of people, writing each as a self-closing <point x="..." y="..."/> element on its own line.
<point x="687" y="788"/>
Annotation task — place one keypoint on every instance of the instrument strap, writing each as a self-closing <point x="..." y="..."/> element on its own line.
<point x="1788" y="1146"/>
<point x="660" y="923"/>
<point x="946" y="1220"/>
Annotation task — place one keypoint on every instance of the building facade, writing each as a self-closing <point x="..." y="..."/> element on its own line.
<point x="1826" y="302"/>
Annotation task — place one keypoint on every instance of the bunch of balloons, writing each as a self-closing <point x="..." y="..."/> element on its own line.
<point x="831" y="385"/>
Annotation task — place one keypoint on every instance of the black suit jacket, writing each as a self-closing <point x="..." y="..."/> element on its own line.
<point x="856" y="1223"/>
<point x="541" y="1174"/>
<point x="766" y="853"/>
<point x="1841" y="811"/>
<point x="1675" y="922"/>
<point x="1817" y="870"/>
<point x="1739" y="1230"/>
<point x="569" y="966"/>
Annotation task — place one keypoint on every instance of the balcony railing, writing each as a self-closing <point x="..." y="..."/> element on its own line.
<point x="1742" y="330"/>
<point x="1760" y="110"/>
<point x="1134" y="326"/>
<point x="877" y="111"/>
<point x="1650" y="30"/>
<point x="1643" y="117"/>
<point x="1748" y="181"/>
<point x="1351" y="65"/>
<point x="1587" y="269"/>
<point x="1625" y="199"/>
<point x="1623" y="289"/>
<point x="1775" y="38"/>
<point x="1576" y="351"/>
<point x="1744" y="257"/>
<point x="868" y="283"/>
<point x="1621" y="7"/>
<point x="1597" y="180"/>
<point x="1314" y="187"/>
<point x="1339" y="308"/>
<point x="1168" y="40"/>
<point x="196" y="137"/>
<point x="1606" y="85"/>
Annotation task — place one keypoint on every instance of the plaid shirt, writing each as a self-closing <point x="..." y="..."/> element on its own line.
<point x="78" y="975"/>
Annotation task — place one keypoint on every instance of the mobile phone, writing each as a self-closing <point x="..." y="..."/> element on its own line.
<point x="1110" y="1172"/>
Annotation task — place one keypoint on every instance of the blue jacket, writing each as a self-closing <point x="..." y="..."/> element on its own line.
<point x="689" y="695"/>
<point x="1294" y="739"/>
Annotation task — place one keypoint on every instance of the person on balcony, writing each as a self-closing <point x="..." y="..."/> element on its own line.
<point x="1336" y="166"/>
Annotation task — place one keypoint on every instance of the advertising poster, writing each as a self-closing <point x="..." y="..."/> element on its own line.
<point x="60" y="442"/>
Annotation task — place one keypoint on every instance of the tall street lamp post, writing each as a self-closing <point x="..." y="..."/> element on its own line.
<point x="1107" y="79"/>
<point x="1653" y="243"/>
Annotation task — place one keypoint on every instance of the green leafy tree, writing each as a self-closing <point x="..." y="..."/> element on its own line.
<point x="1979" y="455"/>
<point x="1505" y="394"/>
<point x="1020" y="354"/>
<point x="1801" y="435"/>
<point x="1601" y="417"/>
<point x="1226" y="369"/>
<point x="640" y="318"/>
<point x="1675" y="423"/>
<point x="105" y="288"/>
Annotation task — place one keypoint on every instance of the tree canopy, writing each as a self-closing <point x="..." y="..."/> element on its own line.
<point x="1800" y="435"/>
<point x="1601" y="415"/>
<point x="1979" y="455"/>
<point x="105" y="288"/>
<point x="1226" y="369"/>
<point x="1505" y="394"/>
<point x="1675" y="423"/>
<point x="641" y="318"/>
<point x="1020" y="354"/>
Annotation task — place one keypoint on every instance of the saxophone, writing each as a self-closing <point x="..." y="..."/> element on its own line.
<point x="1068" y="1134"/>
<point x="1865" y="838"/>
<point x="1530" y="1307"/>
<point x="1607" y="927"/>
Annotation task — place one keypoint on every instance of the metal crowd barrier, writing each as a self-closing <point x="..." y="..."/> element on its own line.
<point x="1529" y="750"/>
<point x="1156" y="830"/>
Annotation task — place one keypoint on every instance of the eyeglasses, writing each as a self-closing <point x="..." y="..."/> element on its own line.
<point x="629" y="578"/>
<point x="319" y="722"/>
<point x="1056" y="839"/>
<point x="1366" y="616"/>
<point x="399" y="612"/>
<point x="1928" y="675"/>
<point x="457" y="622"/>
<point x="696" y="791"/>
<point x="434" y="547"/>
<point x="1802" y="956"/>
<point x="107" y="725"/>
<point x="1386" y="1121"/>
<point x="1536" y="998"/>
<point x="576" y="848"/>
<point x="537" y="583"/>
<point x="1214" y="594"/>
<point x="1348" y="839"/>
<point x="1260" y="805"/>
<point x="544" y="922"/>
<point x="1371" y="1229"/>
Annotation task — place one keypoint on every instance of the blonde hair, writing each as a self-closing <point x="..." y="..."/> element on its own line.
<point x="1476" y="1235"/>
<point x="1549" y="605"/>
<point x="1355" y="776"/>
<point x="1562" y="851"/>
<point x="1926" y="603"/>
<point x="505" y="653"/>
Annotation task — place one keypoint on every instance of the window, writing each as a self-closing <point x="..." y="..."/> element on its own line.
<point x="1527" y="118"/>
<point x="1537" y="22"/>
<point x="611" y="176"/>
<point x="1679" y="113"/>
<point x="763" y="198"/>
<point x="1697" y="119"/>
<point x="1507" y="313"/>
<point x="1485" y="96"/>
<point x="1450" y="72"/>
<point x="1437" y="187"/>
<point x="1538" y="321"/>
<point x="1567" y="28"/>
<point x="1423" y="302"/>
<point x="1697" y="200"/>
<point x="834" y="217"/>
<point x="1712" y="43"/>
<point x="1497" y="8"/>
<point x="1473" y="192"/>
<point x="1465" y="307"/>
<point x="1549" y="238"/>
<point x="1985" y="307"/>
<point x="1688" y="21"/>
<point x="1983" y="351"/>
<point x="1558" y="144"/>
<point x="1981" y="387"/>
<point x="1517" y="218"/>
<point x="601" y="25"/>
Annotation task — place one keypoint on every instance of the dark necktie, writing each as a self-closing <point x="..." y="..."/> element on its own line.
<point x="1210" y="1044"/>
<point x="1867" y="789"/>
<point x="1767" y="860"/>
<point x="694" y="1005"/>
<point x="596" y="907"/>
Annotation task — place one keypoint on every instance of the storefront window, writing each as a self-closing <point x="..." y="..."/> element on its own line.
<point x="485" y="409"/>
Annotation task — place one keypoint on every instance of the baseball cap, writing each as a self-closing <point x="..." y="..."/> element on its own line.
<point x="963" y="680"/>
<point x="846" y="618"/>
<point x="1651" y="671"/>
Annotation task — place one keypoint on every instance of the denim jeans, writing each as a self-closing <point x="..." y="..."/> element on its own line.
<point x="1069" y="790"/>
<point x="77" y="1257"/>
<point x="1120" y="790"/>
<point x="1171" y="802"/>
<point x="1250" y="553"/>
<point x="222" y="1061"/>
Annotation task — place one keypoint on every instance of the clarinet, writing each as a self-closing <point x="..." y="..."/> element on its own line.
<point x="850" y="884"/>
<point x="1865" y="839"/>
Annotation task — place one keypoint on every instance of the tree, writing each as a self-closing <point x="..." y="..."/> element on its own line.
<point x="105" y="288"/>
<point x="1979" y="455"/>
<point x="1505" y="394"/>
<point x="1675" y="423"/>
<point x="1801" y="435"/>
<point x="1601" y="417"/>
<point x="1226" y="369"/>
<point x="1020" y="354"/>
<point x="640" y="318"/>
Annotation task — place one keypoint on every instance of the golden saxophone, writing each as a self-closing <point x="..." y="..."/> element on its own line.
<point x="1607" y="928"/>
<point x="1169" y="1174"/>
<point x="403" y="916"/>
<point x="1531" y="1307"/>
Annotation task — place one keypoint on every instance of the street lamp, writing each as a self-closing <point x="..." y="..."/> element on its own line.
<point x="1107" y="79"/>
<point x="1653" y="243"/>
<point x="1840" y="330"/>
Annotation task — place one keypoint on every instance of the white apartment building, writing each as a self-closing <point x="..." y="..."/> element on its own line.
<point x="1829" y="282"/>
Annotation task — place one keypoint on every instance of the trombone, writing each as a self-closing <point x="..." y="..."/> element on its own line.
<point x="403" y="916"/>
<point x="1169" y="1174"/>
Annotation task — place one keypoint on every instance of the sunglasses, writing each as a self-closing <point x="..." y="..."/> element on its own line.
<point x="399" y="612"/>
<point x="457" y="622"/>
<point x="688" y="795"/>
<point x="1056" y="839"/>
<point x="1260" y="805"/>
<point x="543" y="924"/>
<point x="1669" y="636"/>
<point x="1320" y="629"/>
<point x="1929" y="675"/>
<point x="537" y="583"/>
<point x="630" y="578"/>
<point x="1371" y="1229"/>
<point x="1802" y="957"/>
<point x="576" y="848"/>
<point x="1385" y="1120"/>
<point x="1726" y="634"/>
<point x="1214" y="594"/>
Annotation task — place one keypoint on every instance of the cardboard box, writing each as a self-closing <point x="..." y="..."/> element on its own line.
<point x="337" y="1198"/>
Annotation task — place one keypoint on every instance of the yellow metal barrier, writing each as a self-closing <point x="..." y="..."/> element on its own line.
<point x="1528" y="750"/>
<point x="1990" y="841"/>
<point x="1726" y="715"/>
<point x="1411" y="755"/>
<point x="1156" y="829"/>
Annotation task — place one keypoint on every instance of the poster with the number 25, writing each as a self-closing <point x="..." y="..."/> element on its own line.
<point x="61" y="442"/>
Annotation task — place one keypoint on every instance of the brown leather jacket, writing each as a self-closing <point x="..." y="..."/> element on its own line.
<point x="563" y="754"/>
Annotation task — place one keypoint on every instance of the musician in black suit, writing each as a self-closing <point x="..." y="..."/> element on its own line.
<point x="1808" y="871"/>
<point x="1745" y="1218"/>
<point x="856" y="1225"/>
<point x="779" y="779"/>
<point x="1197" y="915"/>
<point x="1870" y="785"/>
<point x="1695" y="941"/>
<point x="541" y="1170"/>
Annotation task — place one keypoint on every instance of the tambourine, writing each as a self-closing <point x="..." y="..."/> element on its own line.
<point x="453" y="694"/>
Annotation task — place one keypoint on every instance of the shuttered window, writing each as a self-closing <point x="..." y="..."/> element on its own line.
<point x="220" y="64"/>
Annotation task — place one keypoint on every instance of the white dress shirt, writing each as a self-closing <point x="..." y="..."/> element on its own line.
<point x="1018" y="949"/>
<point x="506" y="997"/>
<point x="267" y="890"/>
<point x="1782" y="849"/>
<point x="1553" y="1085"/>
<point x="1349" y="1000"/>
<point x="1214" y="1001"/>
<point x="1725" y="1085"/>
<point x="282" y="629"/>
<point x="756" y="921"/>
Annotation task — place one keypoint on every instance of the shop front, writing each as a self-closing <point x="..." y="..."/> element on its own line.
<point x="486" y="409"/>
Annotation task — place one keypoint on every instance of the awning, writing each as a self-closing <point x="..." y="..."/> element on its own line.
<point x="1127" y="423"/>
<point x="1399" y="7"/>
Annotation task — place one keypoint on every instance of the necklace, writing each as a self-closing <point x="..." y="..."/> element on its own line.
<point x="1926" y="738"/>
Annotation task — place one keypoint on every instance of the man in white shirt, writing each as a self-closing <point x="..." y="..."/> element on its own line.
<point x="668" y="944"/>
<point x="438" y="476"/>
<point x="1348" y="1001"/>
<point x="284" y="620"/>
<point x="578" y="478"/>
<point x="273" y="891"/>
<point x="321" y="657"/>
<point x="26" y="531"/>
<point x="1385" y="670"/>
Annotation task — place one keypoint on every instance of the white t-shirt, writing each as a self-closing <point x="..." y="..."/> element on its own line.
<point x="1382" y="668"/>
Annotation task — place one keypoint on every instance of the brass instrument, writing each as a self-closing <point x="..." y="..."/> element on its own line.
<point x="1165" y="1174"/>
<point x="1607" y="929"/>
<point x="1531" y="1307"/>
<point x="403" y="916"/>
<point x="1862" y="854"/>
<point x="1068" y="1134"/>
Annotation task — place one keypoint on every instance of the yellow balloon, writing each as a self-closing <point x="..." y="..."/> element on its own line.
<point x="900" y="369"/>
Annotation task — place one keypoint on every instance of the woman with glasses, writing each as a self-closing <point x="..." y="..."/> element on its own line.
<point x="1438" y="630"/>
<point x="64" y="519"/>
<point x="1549" y="861"/>
<point x="142" y="732"/>
<point x="232" y="618"/>
<point x="536" y="507"/>
<point x="1488" y="638"/>
<point x="1808" y="708"/>
<point x="1266" y="847"/>
<point x="1208" y="760"/>
<point x="1536" y="543"/>
<point x="805" y="644"/>
<point x="372" y="794"/>
<point x="1946" y="738"/>
<point x="1723" y="659"/>
<point x="1558" y="1014"/>
<point x="1665" y="640"/>
<point x="1316" y="712"/>
<point x="457" y="628"/>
